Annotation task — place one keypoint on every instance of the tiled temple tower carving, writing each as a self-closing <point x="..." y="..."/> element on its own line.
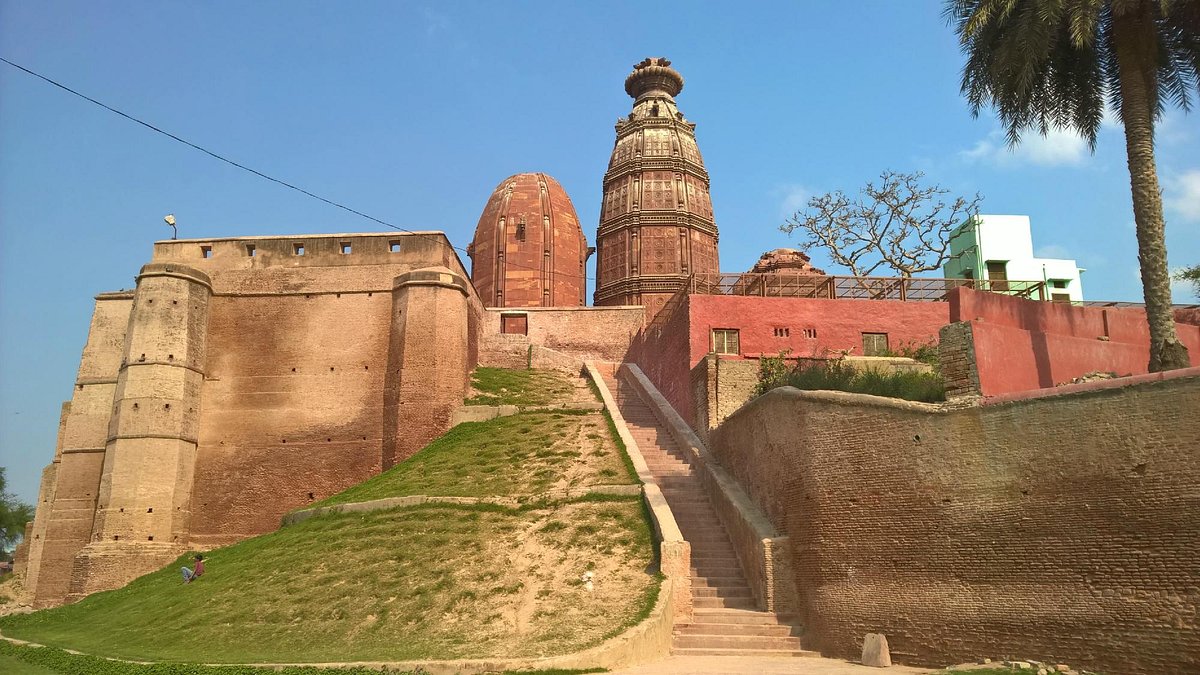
<point x="656" y="219"/>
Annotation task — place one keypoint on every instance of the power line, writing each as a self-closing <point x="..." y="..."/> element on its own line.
<point x="258" y="173"/>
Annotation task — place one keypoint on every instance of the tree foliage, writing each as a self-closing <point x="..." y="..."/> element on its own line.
<point x="13" y="516"/>
<point x="1191" y="274"/>
<point x="899" y="223"/>
<point x="1061" y="64"/>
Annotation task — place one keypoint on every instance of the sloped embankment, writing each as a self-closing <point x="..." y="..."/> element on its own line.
<point x="434" y="581"/>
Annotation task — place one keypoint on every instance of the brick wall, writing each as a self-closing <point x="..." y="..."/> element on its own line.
<point x="585" y="333"/>
<point x="766" y="326"/>
<point x="281" y="401"/>
<point x="1061" y="527"/>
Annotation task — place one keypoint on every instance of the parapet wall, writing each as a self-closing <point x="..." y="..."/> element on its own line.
<point x="1021" y="345"/>
<point x="1061" y="526"/>
<point x="577" y="333"/>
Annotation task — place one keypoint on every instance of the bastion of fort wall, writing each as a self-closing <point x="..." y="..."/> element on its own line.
<point x="244" y="378"/>
<point x="1059" y="525"/>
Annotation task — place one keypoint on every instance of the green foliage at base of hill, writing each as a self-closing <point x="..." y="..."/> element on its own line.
<point x="519" y="455"/>
<point x="427" y="582"/>
<point x="435" y="581"/>
<point x="525" y="388"/>
<point x="837" y="375"/>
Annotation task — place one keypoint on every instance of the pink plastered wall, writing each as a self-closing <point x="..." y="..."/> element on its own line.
<point x="1022" y="345"/>
<point x="837" y="324"/>
<point x="667" y="352"/>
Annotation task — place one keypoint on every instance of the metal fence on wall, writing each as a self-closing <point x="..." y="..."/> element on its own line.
<point x="784" y="285"/>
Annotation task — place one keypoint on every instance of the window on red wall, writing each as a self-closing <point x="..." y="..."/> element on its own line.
<point x="782" y="332"/>
<point x="725" y="341"/>
<point x="875" y="344"/>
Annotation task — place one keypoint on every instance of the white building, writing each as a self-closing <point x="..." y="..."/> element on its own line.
<point x="1000" y="248"/>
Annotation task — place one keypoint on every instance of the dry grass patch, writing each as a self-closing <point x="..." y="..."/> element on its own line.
<point x="526" y="388"/>
<point x="521" y="455"/>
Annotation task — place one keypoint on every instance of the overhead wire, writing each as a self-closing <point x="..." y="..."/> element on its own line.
<point x="260" y="174"/>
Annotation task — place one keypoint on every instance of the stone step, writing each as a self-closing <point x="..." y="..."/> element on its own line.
<point x="718" y="582"/>
<point x="724" y="603"/>
<point x="738" y="616"/>
<point x="784" y="642"/>
<point x="730" y="591"/>
<point x="754" y="629"/>
<point x="747" y="653"/>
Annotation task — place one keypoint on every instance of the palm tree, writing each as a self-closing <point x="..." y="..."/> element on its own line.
<point x="1059" y="63"/>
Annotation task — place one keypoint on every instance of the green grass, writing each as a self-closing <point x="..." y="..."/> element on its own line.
<point x="526" y="388"/>
<point x="519" y="455"/>
<point x="24" y="660"/>
<point x="840" y="376"/>
<point x="430" y="582"/>
<point x="435" y="581"/>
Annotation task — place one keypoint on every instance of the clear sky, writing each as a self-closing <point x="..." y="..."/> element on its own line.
<point x="413" y="112"/>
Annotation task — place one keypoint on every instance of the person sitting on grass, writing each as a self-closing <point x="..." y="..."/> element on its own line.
<point x="190" y="575"/>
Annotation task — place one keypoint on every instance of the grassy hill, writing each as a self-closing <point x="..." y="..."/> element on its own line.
<point x="434" y="581"/>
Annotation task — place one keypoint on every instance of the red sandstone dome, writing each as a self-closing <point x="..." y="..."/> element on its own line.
<point x="529" y="250"/>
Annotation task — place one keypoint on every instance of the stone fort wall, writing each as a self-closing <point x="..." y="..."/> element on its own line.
<point x="244" y="378"/>
<point x="1059" y="525"/>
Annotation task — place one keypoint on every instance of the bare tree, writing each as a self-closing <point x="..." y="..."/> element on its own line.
<point x="898" y="223"/>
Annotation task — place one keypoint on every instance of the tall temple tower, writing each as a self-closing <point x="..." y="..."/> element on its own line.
<point x="656" y="220"/>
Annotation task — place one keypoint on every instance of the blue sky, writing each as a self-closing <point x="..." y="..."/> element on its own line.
<point x="413" y="112"/>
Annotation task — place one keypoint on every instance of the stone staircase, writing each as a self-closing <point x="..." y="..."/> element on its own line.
<point x="725" y="619"/>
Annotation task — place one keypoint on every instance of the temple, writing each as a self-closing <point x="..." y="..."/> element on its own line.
<point x="656" y="219"/>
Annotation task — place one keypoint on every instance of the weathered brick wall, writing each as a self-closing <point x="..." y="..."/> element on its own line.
<point x="1063" y="527"/>
<point x="66" y="509"/>
<point x="956" y="356"/>
<point x="586" y="333"/>
<point x="664" y="354"/>
<point x="285" y="404"/>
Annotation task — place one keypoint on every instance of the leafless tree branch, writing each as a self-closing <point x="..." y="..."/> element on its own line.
<point x="898" y="223"/>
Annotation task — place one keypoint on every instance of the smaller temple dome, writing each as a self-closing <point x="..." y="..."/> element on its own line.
<point x="529" y="250"/>
<point x="785" y="260"/>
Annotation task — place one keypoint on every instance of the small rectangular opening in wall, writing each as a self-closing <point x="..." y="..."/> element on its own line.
<point x="726" y="341"/>
<point x="514" y="324"/>
<point x="782" y="332"/>
<point x="297" y="249"/>
<point x="394" y="246"/>
<point x="810" y="333"/>
<point x="346" y="248"/>
<point x="251" y="251"/>
<point x="206" y="251"/>
<point x="875" y="344"/>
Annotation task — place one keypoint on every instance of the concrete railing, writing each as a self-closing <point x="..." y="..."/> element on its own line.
<point x="762" y="551"/>
<point x="675" y="553"/>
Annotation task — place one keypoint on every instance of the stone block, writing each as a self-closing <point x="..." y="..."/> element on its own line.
<point x="875" y="651"/>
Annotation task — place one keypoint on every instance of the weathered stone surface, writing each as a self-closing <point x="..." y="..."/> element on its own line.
<point x="656" y="220"/>
<point x="790" y="260"/>
<point x="875" y="651"/>
<point x="246" y="377"/>
<point x="529" y="250"/>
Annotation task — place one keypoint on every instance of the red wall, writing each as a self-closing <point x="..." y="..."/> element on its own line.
<point x="839" y="323"/>
<point x="1024" y="344"/>
<point x="668" y="354"/>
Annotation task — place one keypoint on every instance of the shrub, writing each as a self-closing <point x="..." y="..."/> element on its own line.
<point x="837" y="375"/>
